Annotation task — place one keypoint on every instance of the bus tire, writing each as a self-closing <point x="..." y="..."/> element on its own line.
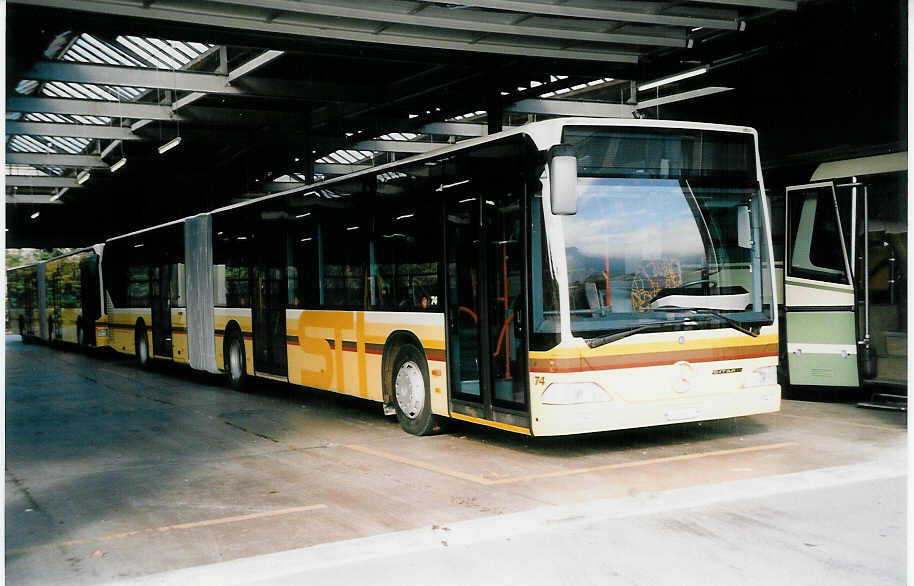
<point x="141" y="343"/>
<point x="411" y="396"/>
<point x="235" y="361"/>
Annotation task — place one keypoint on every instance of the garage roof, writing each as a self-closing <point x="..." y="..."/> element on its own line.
<point x="263" y="92"/>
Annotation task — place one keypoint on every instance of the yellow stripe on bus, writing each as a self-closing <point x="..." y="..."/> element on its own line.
<point x="499" y="425"/>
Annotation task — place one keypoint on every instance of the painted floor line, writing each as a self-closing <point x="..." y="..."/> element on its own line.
<point x="561" y="473"/>
<point x="166" y="528"/>
<point x="649" y="462"/>
<point x="842" y="422"/>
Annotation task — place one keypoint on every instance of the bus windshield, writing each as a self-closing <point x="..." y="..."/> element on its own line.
<point x="660" y="241"/>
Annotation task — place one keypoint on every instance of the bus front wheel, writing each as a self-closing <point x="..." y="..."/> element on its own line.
<point x="412" y="400"/>
<point x="235" y="362"/>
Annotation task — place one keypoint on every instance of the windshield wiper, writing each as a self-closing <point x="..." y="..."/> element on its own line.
<point x="736" y="325"/>
<point x="601" y="340"/>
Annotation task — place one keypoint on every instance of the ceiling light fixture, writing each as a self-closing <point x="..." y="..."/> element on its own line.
<point x="673" y="78"/>
<point x="83" y="177"/>
<point x="118" y="165"/>
<point x="169" y="145"/>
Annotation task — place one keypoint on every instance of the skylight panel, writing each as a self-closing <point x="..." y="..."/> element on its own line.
<point x="83" y="47"/>
<point x="160" y="56"/>
<point x="77" y="56"/>
<point x="113" y="52"/>
<point x="29" y="144"/>
<point x="150" y="60"/>
<point x="170" y="51"/>
<point x="26" y="86"/>
<point x="185" y="49"/>
<point x="200" y="47"/>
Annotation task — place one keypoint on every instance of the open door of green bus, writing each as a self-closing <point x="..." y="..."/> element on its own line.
<point x="819" y="296"/>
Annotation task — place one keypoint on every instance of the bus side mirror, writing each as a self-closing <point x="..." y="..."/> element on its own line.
<point x="743" y="227"/>
<point x="563" y="180"/>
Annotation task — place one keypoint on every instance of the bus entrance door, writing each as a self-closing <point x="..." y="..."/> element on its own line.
<point x="268" y="306"/>
<point x="819" y="303"/>
<point x="90" y="298"/>
<point x="160" y="298"/>
<point x="486" y="309"/>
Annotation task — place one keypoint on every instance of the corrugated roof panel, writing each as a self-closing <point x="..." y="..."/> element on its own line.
<point x="141" y="53"/>
<point x="155" y="52"/>
<point x="26" y="86"/>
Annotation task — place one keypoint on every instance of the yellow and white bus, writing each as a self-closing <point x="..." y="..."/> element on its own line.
<point x="59" y="299"/>
<point x="568" y="276"/>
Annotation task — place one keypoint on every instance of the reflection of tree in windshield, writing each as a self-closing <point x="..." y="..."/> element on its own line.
<point x="629" y="239"/>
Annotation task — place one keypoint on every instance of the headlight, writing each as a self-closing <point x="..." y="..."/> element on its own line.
<point x="569" y="393"/>
<point x="766" y="375"/>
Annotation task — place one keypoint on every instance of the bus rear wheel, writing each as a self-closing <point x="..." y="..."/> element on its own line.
<point x="412" y="400"/>
<point x="142" y="347"/>
<point x="235" y="362"/>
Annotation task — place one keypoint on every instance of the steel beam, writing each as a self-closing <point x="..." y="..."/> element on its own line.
<point x="338" y="169"/>
<point x="571" y="108"/>
<point x="129" y="76"/>
<point x="191" y="81"/>
<point x="31" y="198"/>
<point x="73" y="130"/>
<point x="55" y="160"/>
<point x="254" y="64"/>
<point x="771" y="4"/>
<point x="40" y="181"/>
<point x="246" y="20"/>
<point x="470" y="20"/>
<point x="453" y="129"/>
<point x="604" y="11"/>
<point x="681" y="96"/>
<point x="90" y="108"/>
<point x="396" y="146"/>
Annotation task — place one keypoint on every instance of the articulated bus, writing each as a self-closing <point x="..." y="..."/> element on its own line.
<point x="59" y="300"/>
<point x="568" y="276"/>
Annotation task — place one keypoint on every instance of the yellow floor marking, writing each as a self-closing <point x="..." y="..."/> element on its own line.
<point x="841" y="422"/>
<point x="560" y="473"/>
<point x="418" y="464"/>
<point x="649" y="462"/>
<point x="192" y="525"/>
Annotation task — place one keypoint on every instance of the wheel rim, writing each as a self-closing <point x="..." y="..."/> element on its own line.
<point x="235" y="361"/>
<point x="410" y="389"/>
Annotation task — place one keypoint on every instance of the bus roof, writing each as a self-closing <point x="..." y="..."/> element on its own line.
<point x="533" y="129"/>
<point x="860" y="167"/>
<point x="95" y="248"/>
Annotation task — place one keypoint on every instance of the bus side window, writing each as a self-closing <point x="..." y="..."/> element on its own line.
<point x="407" y="237"/>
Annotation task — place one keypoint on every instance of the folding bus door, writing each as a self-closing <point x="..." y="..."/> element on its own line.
<point x="268" y="307"/>
<point x="160" y="298"/>
<point x="818" y="289"/>
<point x="485" y="241"/>
<point x="90" y="299"/>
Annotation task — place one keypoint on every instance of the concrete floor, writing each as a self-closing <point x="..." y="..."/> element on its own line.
<point x="113" y="473"/>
